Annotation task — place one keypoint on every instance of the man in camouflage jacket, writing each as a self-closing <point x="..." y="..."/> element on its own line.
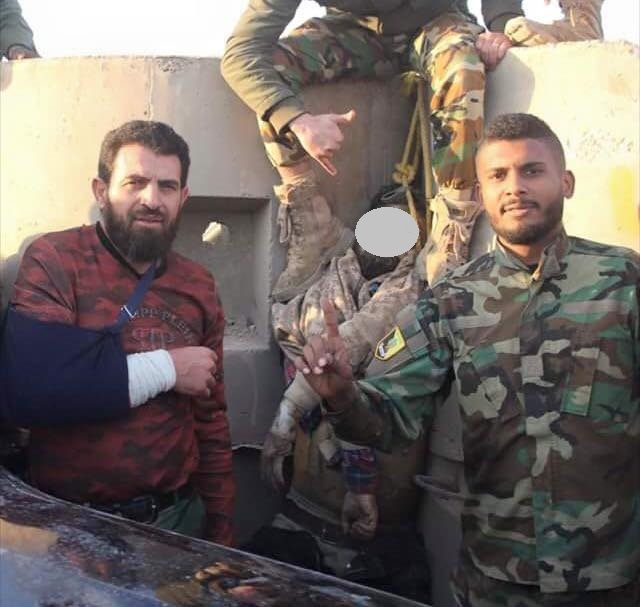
<point x="543" y="339"/>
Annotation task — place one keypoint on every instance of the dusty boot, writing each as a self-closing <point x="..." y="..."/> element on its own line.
<point x="582" y="21"/>
<point x="454" y="215"/>
<point x="313" y="233"/>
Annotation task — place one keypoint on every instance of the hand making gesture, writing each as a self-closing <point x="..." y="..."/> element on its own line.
<point x="325" y="362"/>
<point x="321" y="135"/>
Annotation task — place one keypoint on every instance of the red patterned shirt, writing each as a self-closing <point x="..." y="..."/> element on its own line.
<point x="77" y="277"/>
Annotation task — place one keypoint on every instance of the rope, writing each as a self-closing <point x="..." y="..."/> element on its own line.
<point x="417" y="146"/>
<point x="425" y="143"/>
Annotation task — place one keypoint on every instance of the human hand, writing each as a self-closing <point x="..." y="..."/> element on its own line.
<point x="17" y="52"/>
<point x="274" y="449"/>
<point x="360" y="515"/>
<point x="195" y="370"/>
<point x="325" y="362"/>
<point x="320" y="135"/>
<point x="492" y="47"/>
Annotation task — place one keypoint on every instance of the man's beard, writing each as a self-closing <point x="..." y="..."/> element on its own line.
<point x="530" y="233"/>
<point x="138" y="245"/>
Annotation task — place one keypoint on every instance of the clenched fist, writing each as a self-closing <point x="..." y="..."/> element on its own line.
<point x="196" y="367"/>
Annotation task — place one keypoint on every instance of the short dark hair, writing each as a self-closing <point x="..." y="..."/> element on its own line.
<point x="157" y="136"/>
<point x="522" y="126"/>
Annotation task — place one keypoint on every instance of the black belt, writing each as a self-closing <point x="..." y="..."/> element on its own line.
<point x="325" y="530"/>
<point x="333" y="533"/>
<point x="145" y="508"/>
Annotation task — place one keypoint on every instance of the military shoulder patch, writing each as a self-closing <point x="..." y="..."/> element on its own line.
<point x="392" y="343"/>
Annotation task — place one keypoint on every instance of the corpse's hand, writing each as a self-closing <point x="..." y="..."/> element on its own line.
<point x="360" y="515"/>
<point x="325" y="363"/>
<point x="320" y="135"/>
<point x="274" y="449"/>
<point x="492" y="47"/>
<point x="196" y="367"/>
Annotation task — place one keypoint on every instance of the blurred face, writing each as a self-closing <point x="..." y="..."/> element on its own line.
<point x="522" y="186"/>
<point x="141" y="204"/>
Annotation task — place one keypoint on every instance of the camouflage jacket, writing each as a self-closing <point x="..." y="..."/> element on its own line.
<point x="13" y="28"/>
<point x="547" y="373"/>
<point x="248" y="68"/>
<point x="77" y="277"/>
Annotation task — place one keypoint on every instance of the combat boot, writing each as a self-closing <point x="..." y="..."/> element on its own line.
<point x="582" y="21"/>
<point x="454" y="215"/>
<point x="314" y="235"/>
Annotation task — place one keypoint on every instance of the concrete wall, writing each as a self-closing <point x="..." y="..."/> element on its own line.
<point x="54" y="114"/>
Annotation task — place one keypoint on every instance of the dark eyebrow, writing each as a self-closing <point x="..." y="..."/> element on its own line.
<point x="528" y="165"/>
<point x="169" y="182"/>
<point x="135" y="176"/>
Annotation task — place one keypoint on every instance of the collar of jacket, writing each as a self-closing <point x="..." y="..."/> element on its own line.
<point x="550" y="260"/>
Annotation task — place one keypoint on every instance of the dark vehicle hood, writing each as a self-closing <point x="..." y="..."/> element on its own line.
<point x="57" y="554"/>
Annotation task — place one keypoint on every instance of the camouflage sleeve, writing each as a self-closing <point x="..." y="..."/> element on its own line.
<point x="213" y="477"/>
<point x="43" y="289"/>
<point x="412" y="363"/>
<point x="248" y="67"/>
<point x="496" y="13"/>
<point x="13" y="28"/>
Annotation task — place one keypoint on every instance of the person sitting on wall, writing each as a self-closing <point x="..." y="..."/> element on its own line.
<point x="440" y="40"/>
<point x="16" y="37"/>
<point x="543" y="338"/>
<point x="161" y="453"/>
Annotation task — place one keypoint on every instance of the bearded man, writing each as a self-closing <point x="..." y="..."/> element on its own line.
<point x="166" y="459"/>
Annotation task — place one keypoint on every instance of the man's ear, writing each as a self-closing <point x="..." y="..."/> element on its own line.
<point x="100" y="191"/>
<point x="568" y="184"/>
<point x="184" y="195"/>
<point x="477" y="193"/>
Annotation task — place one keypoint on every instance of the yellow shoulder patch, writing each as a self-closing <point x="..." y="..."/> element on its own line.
<point x="392" y="343"/>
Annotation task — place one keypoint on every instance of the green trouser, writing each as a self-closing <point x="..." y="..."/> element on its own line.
<point x="474" y="589"/>
<point x="186" y="516"/>
<point x="332" y="48"/>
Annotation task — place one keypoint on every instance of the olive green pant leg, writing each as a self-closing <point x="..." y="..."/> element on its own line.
<point x="444" y="52"/>
<point x="187" y="516"/>
<point x="319" y="51"/>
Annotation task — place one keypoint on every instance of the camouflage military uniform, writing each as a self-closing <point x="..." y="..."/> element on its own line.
<point x="547" y="373"/>
<point x="349" y="42"/>
<point x="368" y="308"/>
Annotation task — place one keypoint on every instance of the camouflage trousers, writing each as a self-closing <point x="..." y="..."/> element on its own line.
<point x="474" y="589"/>
<point x="332" y="48"/>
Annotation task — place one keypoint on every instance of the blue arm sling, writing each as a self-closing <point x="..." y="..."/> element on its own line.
<point x="54" y="374"/>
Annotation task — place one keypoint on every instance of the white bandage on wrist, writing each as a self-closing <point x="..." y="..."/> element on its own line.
<point x="149" y="374"/>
